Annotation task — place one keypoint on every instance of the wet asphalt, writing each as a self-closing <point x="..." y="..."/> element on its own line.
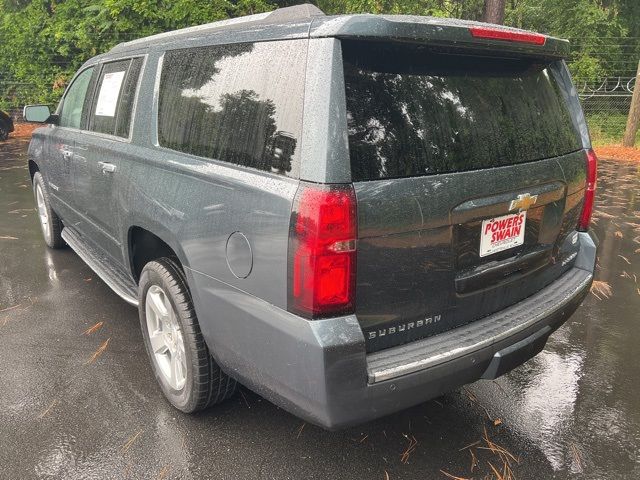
<point x="78" y="402"/>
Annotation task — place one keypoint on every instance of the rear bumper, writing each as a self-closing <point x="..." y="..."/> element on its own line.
<point x="319" y="370"/>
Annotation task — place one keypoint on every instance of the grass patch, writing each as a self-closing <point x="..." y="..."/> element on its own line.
<point x="606" y="129"/>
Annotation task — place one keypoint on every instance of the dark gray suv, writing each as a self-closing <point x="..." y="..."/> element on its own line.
<point x="349" y="215"/>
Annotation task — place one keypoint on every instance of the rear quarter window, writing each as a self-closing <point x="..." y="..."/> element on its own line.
<point x="412" y="110"/>
<point x="239" y="103"/>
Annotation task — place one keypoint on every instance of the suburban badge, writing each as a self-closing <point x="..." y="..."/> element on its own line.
<point x="404" y="326"/>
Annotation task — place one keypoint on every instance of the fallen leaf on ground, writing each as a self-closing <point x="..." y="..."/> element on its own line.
<point x="601" y="289"/>
<point x="48" y="409"/>
<point x="10" y="308"/>
<point x="99" y="351"/>
<point x="131" y="441"/>
<point x="498" y="475"/>
<point x="470" y="445"/>
<point x="625" y="259"/>
<point x="413" y="443"/>
<point x="448" y="475"/>
<point x="93" y="328"/>
<point x="577" y="458"/>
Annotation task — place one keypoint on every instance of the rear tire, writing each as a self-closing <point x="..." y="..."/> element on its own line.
<point x="49" y="221"/>
<point x="182" y="364"/>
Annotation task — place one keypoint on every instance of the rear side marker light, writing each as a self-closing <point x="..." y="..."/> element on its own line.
<point x="507" y="35"/>
<point x="322" y="251"/>
<point x="589" y="192"/>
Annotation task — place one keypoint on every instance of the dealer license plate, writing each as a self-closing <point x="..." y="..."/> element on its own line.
<point x="502" y="233"/>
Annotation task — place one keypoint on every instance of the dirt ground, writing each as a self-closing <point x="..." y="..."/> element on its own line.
<point x="618" y="152"/>
<point x="23" y="130"/>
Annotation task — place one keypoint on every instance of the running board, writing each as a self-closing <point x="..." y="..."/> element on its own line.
<point x="118" y="280"/>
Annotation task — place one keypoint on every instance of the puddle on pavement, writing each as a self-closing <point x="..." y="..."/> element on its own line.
<point x="579" y="400"/>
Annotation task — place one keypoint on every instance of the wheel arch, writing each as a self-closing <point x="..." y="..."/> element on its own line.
<point x="145" y="243"/>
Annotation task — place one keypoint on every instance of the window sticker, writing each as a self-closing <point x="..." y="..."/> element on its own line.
<point x="109" y="91"/>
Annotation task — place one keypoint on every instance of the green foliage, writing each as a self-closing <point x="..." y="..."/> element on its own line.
<point x="467" y="9"/>
<point x="587" y="23"/>
<point x="45" y="41"/>
<point x="606" y="128"/>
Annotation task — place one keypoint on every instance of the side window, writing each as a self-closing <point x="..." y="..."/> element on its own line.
<point x="114" y="97"/>
<point x="238" y="103"/>
<point x="73" y="102"/>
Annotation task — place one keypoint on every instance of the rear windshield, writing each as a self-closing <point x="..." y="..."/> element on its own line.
<point x="414" y="111"/>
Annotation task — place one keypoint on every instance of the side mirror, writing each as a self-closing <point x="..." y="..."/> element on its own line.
<point x="39" y="114"/>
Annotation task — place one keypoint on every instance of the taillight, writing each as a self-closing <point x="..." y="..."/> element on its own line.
<point x="322" y="251"/>
<point x="507" y="35"/>
<point x="590" y="191"/>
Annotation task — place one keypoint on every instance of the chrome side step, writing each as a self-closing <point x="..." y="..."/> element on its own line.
<point x="118" y="280"/>
<point x="441" y="348"/>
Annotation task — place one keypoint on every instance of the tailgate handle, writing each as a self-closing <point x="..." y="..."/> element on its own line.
<point x="482" y="277"/>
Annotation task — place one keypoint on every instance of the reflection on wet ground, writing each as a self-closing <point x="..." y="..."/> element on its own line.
<point x="78" y="399"/>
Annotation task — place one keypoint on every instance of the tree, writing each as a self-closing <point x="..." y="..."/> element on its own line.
<point x="493" y="11"/>
<point x="633" y="121"/>
<point x="596" y="33"/>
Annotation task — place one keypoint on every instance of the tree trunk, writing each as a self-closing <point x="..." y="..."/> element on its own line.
<point x="493" y="11"/>
<point x="633" y="121"/>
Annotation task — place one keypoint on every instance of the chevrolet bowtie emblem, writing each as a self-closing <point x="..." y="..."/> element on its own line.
<point x="523" y="202"/>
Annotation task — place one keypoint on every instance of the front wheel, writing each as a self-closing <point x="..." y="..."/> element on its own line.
<point x="49" y="221"/>
<point x="182" y="364"/>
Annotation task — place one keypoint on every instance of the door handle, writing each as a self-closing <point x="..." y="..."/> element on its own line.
<point x="107" y="167"/>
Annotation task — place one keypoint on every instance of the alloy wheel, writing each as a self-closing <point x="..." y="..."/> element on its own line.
<point x="165" y="336"/>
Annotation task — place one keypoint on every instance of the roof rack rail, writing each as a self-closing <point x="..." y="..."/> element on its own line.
<point x="285" y="14"/>
<point x="306" y="10"/>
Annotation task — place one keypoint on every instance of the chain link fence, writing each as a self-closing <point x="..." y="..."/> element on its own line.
<point x="15" y="95"/>
<point x="606" y="105"/>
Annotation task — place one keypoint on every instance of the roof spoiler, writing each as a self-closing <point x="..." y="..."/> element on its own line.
<point x="442" y="32"/>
